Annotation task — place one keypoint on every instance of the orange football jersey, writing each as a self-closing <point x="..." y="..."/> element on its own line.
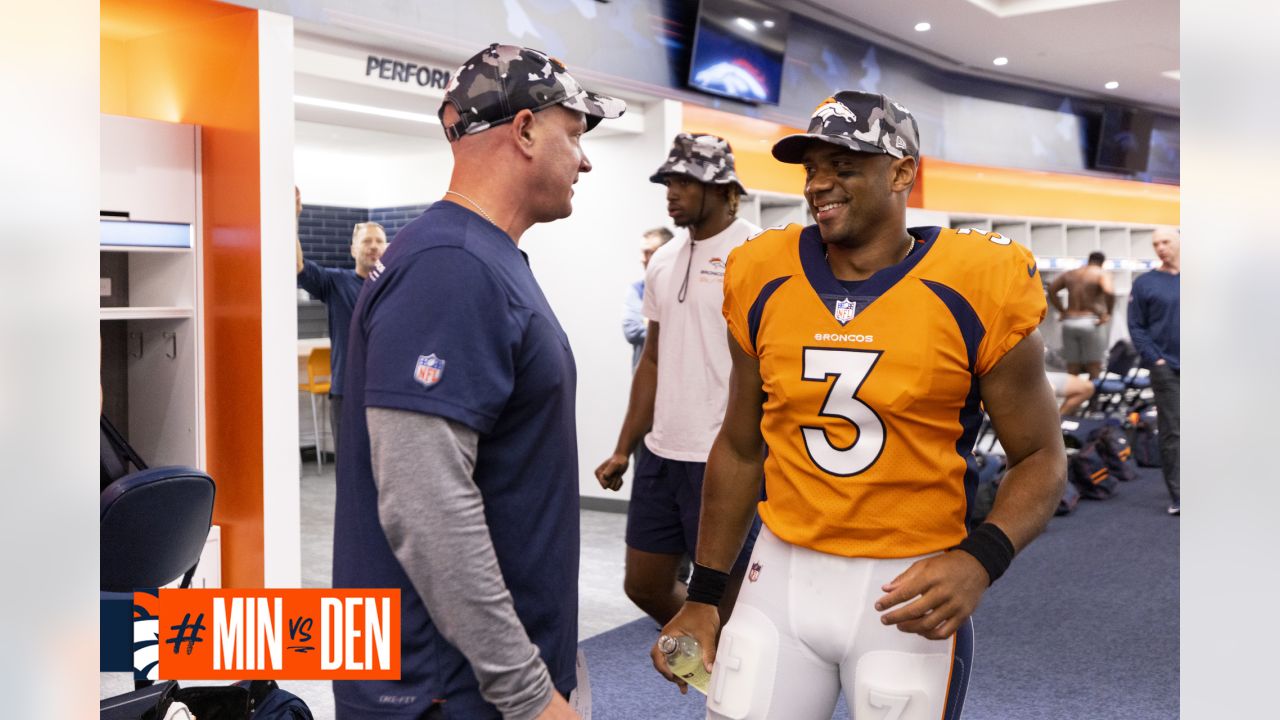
<point x="872" y="397"/>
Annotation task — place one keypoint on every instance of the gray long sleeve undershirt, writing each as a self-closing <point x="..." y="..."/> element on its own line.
<point x="433" y="516"/>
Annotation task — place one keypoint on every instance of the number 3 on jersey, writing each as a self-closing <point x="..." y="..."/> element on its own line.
<point x="850" y="369"/>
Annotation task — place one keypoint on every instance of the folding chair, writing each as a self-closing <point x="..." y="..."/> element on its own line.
<point x="1115" y="384"/>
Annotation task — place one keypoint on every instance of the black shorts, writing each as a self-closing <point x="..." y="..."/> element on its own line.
<point x="666" y="498"/>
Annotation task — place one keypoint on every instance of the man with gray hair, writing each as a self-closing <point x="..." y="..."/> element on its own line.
<point x="1155" y="311"/>
<point x="679" y="388"/>
<point x="338" y="289"/>
<point x="460" y="485"/>
<point x="634" y="327"/>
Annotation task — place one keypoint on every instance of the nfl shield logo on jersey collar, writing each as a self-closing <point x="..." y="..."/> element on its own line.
<point x="429" y="370"/>
<point x="845" y="310"/>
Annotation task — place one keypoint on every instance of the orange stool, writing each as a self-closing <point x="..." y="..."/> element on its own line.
<point x="318" y="377"/>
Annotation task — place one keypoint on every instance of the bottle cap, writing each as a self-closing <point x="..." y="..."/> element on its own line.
<point x="667" y="644"/>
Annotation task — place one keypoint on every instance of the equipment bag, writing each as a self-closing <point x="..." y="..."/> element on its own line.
<point x="1145" y="442"/>
<point x="989" y="469"/>
<point x="268" y="702"/>
<point x="1077" y="430"/>
<point x="281" y="705"/>
<point x="1087" y="470"/>
<point x="1070" y="498"/>
<point x="1116" y="452"/>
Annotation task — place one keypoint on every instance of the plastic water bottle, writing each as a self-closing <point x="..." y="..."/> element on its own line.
<point x="684" y="657"/>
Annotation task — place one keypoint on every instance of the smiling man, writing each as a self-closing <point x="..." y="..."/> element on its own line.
<point x="459" y="481"/>
<point x="863" y="352"/>
<point x="679" y="389"/>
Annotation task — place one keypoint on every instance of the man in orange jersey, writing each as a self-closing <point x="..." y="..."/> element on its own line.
<point x="863" y="354"/>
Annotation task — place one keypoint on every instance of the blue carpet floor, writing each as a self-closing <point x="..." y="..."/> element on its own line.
<point x="1084" y="626"/>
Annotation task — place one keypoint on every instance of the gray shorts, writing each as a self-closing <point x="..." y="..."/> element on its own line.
<point x="1083" y="340"/>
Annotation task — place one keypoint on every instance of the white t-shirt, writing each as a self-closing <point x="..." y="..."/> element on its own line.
<point x="693" y="349"/>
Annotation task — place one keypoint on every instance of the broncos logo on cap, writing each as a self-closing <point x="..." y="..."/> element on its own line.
<point x="834" y="108"/>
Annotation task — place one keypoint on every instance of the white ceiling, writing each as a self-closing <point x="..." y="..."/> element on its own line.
<point x="1070" y="46"/>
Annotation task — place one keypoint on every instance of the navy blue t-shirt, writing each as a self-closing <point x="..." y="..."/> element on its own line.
<point x="455" y="325"/>
<point x="338" y="289"/>
<point x="1155" y="316"/>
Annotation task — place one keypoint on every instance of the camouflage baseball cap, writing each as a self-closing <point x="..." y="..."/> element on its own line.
<point x="861" y="121"/>
<point x="705" y="158"/>
<point x="501" y="80"/>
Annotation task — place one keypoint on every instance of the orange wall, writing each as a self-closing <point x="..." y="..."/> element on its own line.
<point x="953" y="187"/>
<point x="201" y="67"/>
<point x="114" y="97"/>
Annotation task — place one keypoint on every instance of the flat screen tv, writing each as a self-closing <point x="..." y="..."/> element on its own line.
<point x="738" y="50"/>
<point x="1124" y="140"/>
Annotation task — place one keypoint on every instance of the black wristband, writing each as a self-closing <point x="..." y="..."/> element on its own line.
<point x="991" y="547"/>
<point x="706" y="585"/>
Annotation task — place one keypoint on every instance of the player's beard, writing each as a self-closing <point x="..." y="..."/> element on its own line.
<point x="844" y="236"/>
<point x="694" y="219"/>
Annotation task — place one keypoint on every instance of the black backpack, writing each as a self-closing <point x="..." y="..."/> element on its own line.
<point x="990" y="470"/>
<point x="245" y="700"/>
<point x="1144" y="439"/>
<point x="281" y="705"/>
<point x="1070" y="498"/>
<point x="1122" y="357"/>
<point x="1087" y="470"/>
<point x="1116" y="452"/>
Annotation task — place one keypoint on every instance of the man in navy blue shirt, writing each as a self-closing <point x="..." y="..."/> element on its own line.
<point x="338" y="289"/>
<point x="458" y="480"/>
<point x="1154" y="326"/>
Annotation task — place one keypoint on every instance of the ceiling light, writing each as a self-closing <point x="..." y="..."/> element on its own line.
<point x="769" y="23"/>
<point x="1001" y="61"/>
<point x="365" y="109"/>
<point x="923" y="27"/>
<point x="1172" y="74"/>
<point x="745" y="24"/>
<point x="1112" y="85"/>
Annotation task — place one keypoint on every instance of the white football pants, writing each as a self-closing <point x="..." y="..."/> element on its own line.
<point x="805" y="626"/>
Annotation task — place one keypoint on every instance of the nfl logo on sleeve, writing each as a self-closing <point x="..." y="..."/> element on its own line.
<point x="845" y="310"/>
<point x="429" y="370"/>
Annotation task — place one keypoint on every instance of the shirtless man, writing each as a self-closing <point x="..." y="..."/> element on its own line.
<point x="1090" y="299"/>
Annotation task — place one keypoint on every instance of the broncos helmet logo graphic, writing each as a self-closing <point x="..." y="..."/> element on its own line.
<point x="834" y="108"/>
<point x="146" y="635"/>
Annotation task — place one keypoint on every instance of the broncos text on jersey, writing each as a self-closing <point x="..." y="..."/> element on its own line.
<point x="872" y="396"/>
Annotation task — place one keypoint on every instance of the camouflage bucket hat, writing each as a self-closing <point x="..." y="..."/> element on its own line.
<point x="705" y="158"/>
<point x="861" y="121"/>
<point x="501" y="80"/>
